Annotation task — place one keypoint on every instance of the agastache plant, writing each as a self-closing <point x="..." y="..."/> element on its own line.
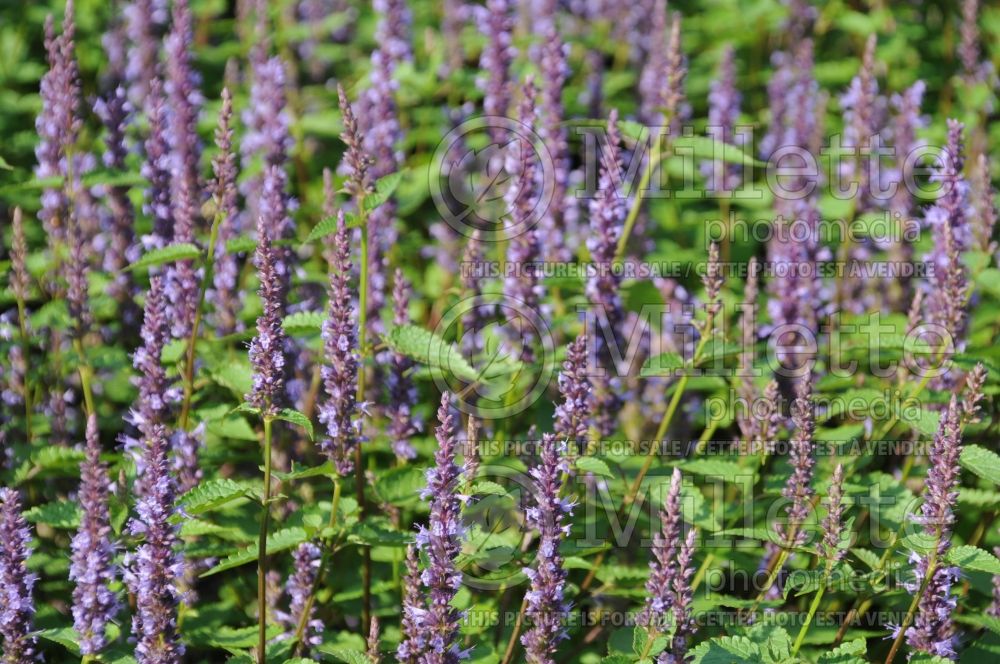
<point x="93" y="568"/>
<point x="607" y="214"/>
<point x="933" y="630"/>
<point x="224" y="295"/>
<point x="441" y="541"/>
<point x="496" y="22"/>
<point x="547" y="607"/>
<point x="723" y="113"/>
<point x="523" y="287"/>
<point x="572" y="418"/>
<point x="184" y="94"/>
<point x="17" y="608"/>
<point x="300" y="586"/>
<point x="414" y="611"/>
<point x="156" y="171"/>
<point x="948" y="220"/>
<point x="267" y="356"/>
<point x="340" y="411"/>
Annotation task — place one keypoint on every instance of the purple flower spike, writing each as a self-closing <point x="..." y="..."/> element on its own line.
<point x="573" y="415"/>
<point x="411" y="645"/>
<point x="554" y="72"/>
<point x="154" y="570"/>
<point x="547" y="607"/>
<point x="523" y="250"/>
<point x="948" y="220"/>
<point x="300" y="588"/>
<point x="662" y="568"/>
<point x="393" y="30"/>
<point x="723" y="113"/>
<point x="17" y="609"/>
<point x="144" y="23"/>
<point x="661" y="84"/>
<point x="154" y="398"/>
<point x="496" y="21"/>
<point x="340" y="371"/>
<point x="441" y="540"/>
<point x="933" y="631"/>
<point x="402" y="392"/>
<point x="607" y="214"/>
<point x="92" y="567"/>
<point x="184" y="95"/>
<point x="267" y="117"/>
<point x="224" y="295"/>
<point x="115" y="111"/>
<point x="267" y="348"/>
<point x="156" y="170"/>
<point x="833" y="523"/>
<point x="798" y="490"/>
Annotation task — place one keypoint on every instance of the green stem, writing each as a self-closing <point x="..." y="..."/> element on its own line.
<point x="86" y="376"/>
<point x="324" y="561"/>
<point x="196" y="325"/>
<point x="22" y="320"/>
<point x="812" y="613"/>
<point x="262" y="547"/>
<point x="656" y="157"/>
<point x="359" y="471"/>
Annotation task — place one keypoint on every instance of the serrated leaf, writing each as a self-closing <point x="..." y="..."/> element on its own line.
<point x="280" y="541"/>
<point x="237" y="376"/>
<point x="348" y="655"/>
<point x="298" y="419"/>
<point x="427" y="348"/>
<point x="58" y="514"/>
<point x="210" y="495"/>
<point x="400" y="486"/>
<point x="52" y="459"/>
<point x="726" y="650"/>
<point x="981" y="462"/>
<point x="171" y="253"/>
<point x="384" y="188"/>
<point x="64" y="636"/>
<point x="487" y="488"/>
<point x="846" y="653"/>
<point x="974" y="559"/>
<point x="303" y="322"/>
<point x="593" y="465"/>
<point x="377" y="532"/>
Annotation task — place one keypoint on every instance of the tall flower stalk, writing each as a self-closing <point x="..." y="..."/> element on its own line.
<point x="17" y="609"/>
<point x="268" y="362"/>
<point x="441" y="541"/>
<point x="92" y="568"/>
<point x="547" y="607"/>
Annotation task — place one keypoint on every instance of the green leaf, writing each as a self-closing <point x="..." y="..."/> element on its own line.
<point x="171" y="253"/>
<point x="487" y="488"/>
<point x="664" y="364"/>
<point x="303" y="322"/>
<point x="773" y="641"/>
<point x="384" y="187"/>
<point x="428" y="348"/>
<point x="925" y="421"/>
<point x="50" y="460"/>
<point x="974" y="559"/>
<point x="400" y="486"/>
<point x="58" y="514"/>
<point x="64" y="636"/>
<point x="237" y="376"/>
<point x="328" y="226"/>
<point x="298" y="419"/>
<point x="850" y="652"/>
<point x="280" y="541"/>
<point x="728" y="471"/>
<point x="211" y="495"/>
<point x="703" y="147"/>
<point x="299" y="472"/>
<point x="348" y="655"/>
<point x="981" y="462"/>
<point x="727" y="650"/>
<point x="593" y="465"/>
<point x="377" y="532"/>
